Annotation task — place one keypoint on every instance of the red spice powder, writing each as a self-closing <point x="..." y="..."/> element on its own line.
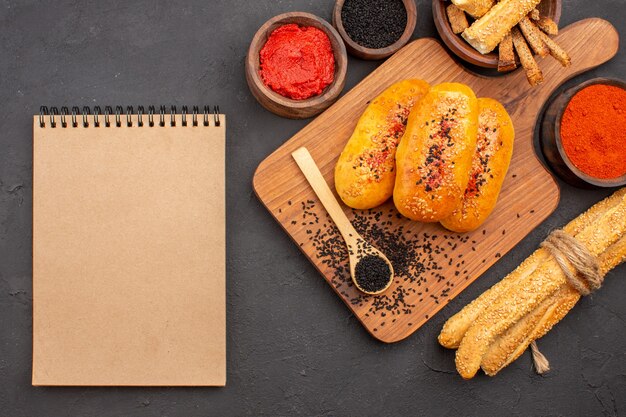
<point x="297" y="61"/>
<point x="593" y="131"/>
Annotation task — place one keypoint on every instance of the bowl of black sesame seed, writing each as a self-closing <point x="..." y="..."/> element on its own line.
<point x="374" y="29"/>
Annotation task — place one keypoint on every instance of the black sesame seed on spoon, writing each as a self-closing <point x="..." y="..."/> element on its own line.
<point x="372" y="273"/>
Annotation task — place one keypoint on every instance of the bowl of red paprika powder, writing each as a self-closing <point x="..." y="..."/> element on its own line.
<point x="296" y="65"/>
<point x="583" y="134"/>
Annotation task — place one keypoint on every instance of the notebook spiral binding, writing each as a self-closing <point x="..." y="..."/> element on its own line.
<point x="120" y="114"/>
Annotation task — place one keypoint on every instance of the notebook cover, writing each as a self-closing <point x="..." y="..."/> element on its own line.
<point x="129" y="254"/>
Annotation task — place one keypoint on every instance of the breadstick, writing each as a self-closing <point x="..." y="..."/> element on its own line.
<point x="533" y="72"/>
<point x="534" y="14"/>
<point x="609" y="259"/>
<point x="454" y="329"/>
<point x="487" y="32"/>
<point x="506" y="54"/>
<point x="529" y="292"/>
<point x="555" y="50"/>
<point x="596" y="211"/>
<point x="548" y="25"/>
<point x="567" y="299"/>
<point x="516" y="340"/>
<point x="532" y="35"/>
<point x="606" y="231"/>
<point x="457" y="19"/>
<point x="519" y="300"/>
<point x="475" y="8"/>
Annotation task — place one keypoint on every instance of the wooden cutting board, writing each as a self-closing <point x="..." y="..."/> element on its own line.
<point x="432" y="264"/>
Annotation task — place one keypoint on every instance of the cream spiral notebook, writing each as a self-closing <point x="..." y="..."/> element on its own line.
<point x="129" y="247"/>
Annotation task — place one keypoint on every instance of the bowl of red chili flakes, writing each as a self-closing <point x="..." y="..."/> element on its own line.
<point x="296" y="65"/>
<point x="583" y="134"/>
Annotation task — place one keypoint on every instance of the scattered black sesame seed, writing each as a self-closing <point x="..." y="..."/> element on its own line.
<point x="419" y="259"/>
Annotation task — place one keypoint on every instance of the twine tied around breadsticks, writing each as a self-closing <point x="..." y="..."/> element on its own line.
<point x="581" y="269"/>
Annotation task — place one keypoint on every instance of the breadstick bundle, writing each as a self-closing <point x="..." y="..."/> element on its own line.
<point x="515" y="27"/>
<point x="497" y="327"/>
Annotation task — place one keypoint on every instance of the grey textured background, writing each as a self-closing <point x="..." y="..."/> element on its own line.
<point x="293" y="347"/>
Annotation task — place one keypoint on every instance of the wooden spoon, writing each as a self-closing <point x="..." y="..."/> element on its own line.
<point x="358" y="248"/>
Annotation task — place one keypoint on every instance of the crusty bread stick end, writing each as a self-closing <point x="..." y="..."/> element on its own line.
<point x="508" y="67"/>
<point x="457" y="19"/>
<point x="506" y="55"/>
<point x="475" y="8"/>
<point x="534" y="14"/>
<point x="534" y="77"/>
<point x="446" y="342"/>
<point x="467" y="363"/>
<point x="548" y="25"/>
<point x="555" y="50"/>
